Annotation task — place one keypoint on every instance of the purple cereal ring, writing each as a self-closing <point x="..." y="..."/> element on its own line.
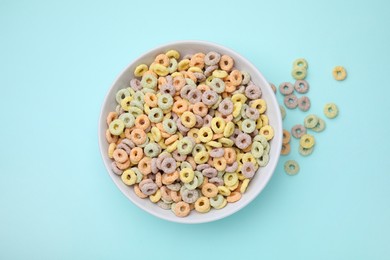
<point x="273" y="87"/>
<point x="291" y="101"/>
<point x="115" y="169"/>
<point x="149" y="188"/>
<point x="301" y="86"/>
<point x="236" y="133"/>
<point x="240" y="90"/>
<point x="153" y="165"/>
<point x="217" y="181"/>
<point x="248" y="169"/>
<point x="199" y="121"/>
<point x="161" y="158"/>
<point x="209" y="70"/>
<point x="168" y="89"/>
<point x="124" y="147"/>
<point x="201" y="167"/>
<point x="217" y="152"/>
<point x="185" y="90"/>
<point x="232" y="168"/>
<point x="189" y="196"/>
<point x="210" y="172"/>
<point x="207" y="120"/>
<point x="243" y="141"/>
<point x="199" y="76"/>
<point x="298" y="131"/>
<point x="143" y="182"/>
<point x="194" y="96"/>
<point x="225" y="107"/>
<point x="174" y="116"/>
<point x="254" y="133"/>
<point x="128" y="142"/>
<point x="181" y="127"/>
<point x="252" y="113"/>
<point x="252" y="92"/>
<point x="209" y="97"/>
<point x="168" y="165"/>
<point x="179" y="157"/>
<point x="286" y="88"/>
<point x="212" y="58"/>
<point x="135" y="84"/>
<point x="304" y="103"/>
<point x="169" y="79"/>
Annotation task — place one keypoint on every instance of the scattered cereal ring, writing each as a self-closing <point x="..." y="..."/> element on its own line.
<point x="310" y="121"/>
<point x="305" y="151"/>
<point x="286" y="137"/>
<point x="331" y="110"/>
<point x="302" y="63"/>
<point x="320" y="126"/>
<point x="307" y="141"/>
<point x="291" y="101"/>
<point x="285" y="149"/>
<point x="286" y="88"/>
<point x="298" y="73"/>
<point x="291" y="167"/>
<point x="298" y="131"/>
<point x="304" y="103"/>
<point x="301" y="86"/>
<point x="339" y="73"/>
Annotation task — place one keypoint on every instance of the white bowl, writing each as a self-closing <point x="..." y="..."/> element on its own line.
<point x="262" y="176"/>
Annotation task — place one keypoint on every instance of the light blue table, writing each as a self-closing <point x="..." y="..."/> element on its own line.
<point x="58" y="60"/>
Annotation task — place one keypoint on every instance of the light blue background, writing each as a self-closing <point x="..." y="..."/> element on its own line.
<point x="57" y="62"/>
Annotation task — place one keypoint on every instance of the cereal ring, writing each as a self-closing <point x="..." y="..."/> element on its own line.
<point x="220" y="74"/>
<point x="209" y="190"/>
<point x="120" y="155"/>
<point x="217" y="85"/>
<point x="129" y="177"/>
<point x="305" y="151"/>
<point x="152" y="150"/>
<point x="144" y="165"/>
<point x="167" y="89"/>
<point x="194" y="96"/>
<point x="140" y="70"/>
<point x="234" y="196"/>
<point x="300" y="63"/>
<point x="310" y="121"/>
<point x="304" y="103"/>
<point x="286" y="137"/>
<point x="252" y="92"/>
<point x="149" y="81"/>
<point x="217" y="152"/>
<point x="142" y="122"/>
<point x="298" y="73"/>
<point x="162" y="59"/>
<point x="301" y="86"/>
<point x="225" y="107"/>
<point x="116" y="127"/>
<point x="212" y="58"/>
<point x="180" y="106"/>
<point x="168" y="165"/>
<point x="291" y="167"/>
<point x="169" y="126"/>
<point x="115" y="169"/>
<point x="165" y="101"/>
<point x="243" y="141"/>
<point x="339" y="73"/>
<point x="122" y="94"/>
<point x="267" y="131"/>
<point x="138" y="136"/>
<point x="155" y="115"/>
<point x="136" y="154"/>
<point x="248" y="126"/>
<point x="186" y="175"/>
<point x="320" y="126"/>
<point x="248" y="169"/>
<point x="273" y="87"/>
<point x="135" y="84"/>
<point x="169" y="178"/>
<point x="182" y="209"/>
<point x="218" y="125"/>
<point x="226" y="63"/>
<point x="291" y="101"/>
<point x="185" y="146"/>
<point x="189" y="196"/>
<point x="286" y="88"/>
<point x="259" y="104"/>
<point x="307" y="141"/>
<point x="298" y="131"/>
<point x="331" y="110"/>
<point x="282" y="111"/>
<point x="205" y="134"/>
<point x="188" y="119"/>
<point x="219" y="164"/>
<point x="257" y="149"/>
<point x="252" y="113"/>
<point x="209" y="97"/>
<point x="128" y="119"/>
<point x="285" y="149"/>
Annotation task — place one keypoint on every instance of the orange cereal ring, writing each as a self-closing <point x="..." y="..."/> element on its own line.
<point x="162" y="59"/>
<point x="205" y="181"/>
<point x="145" y="165"/>
<point x="158" y="179"/>
<point x="233" y="197"/>
<point x="227" y="118"/>
<point x="111" y="117"/>
<point x="197" y="61"/>
<point x="191" y="160"/>
<point x="182" y="209"/>
<point x="123" y="166"/>
<point x="161" y="81"/>
<point x="138" y="192"/>
<point x="229" y="87"/>
<point x="209" y="190"/>
<point x="230" y="155"/>
<point x="217" y="136"/>
<point x="169" y="178"/>
<point x="120" y="155"/>
<point x="200" y="109"/>
<point x="150" y="99"/>
<point x="248" y="149"/>
<point x="226" y="63"/>
<point x="203" y="87"/>
<point x="165" y="134"/>
<point x="219" y="163"/>
<point x="180" y="106"/>
<point x="171" y="139"/>
<point x="127" y="133"/>
<point x="190" y="75"/>
<point x="175" y="195"/>
<point x="138" y="136"/>
<point x="136" y="154"/>
<point x="199" y="55"/>
<point x="285" y="149"/>
<point x="142" y="122"/>
<point x="178" y="82"/>
<point x="286" y="136"/>
<point x="235" y="78"/>
<point x="111" y="138"/>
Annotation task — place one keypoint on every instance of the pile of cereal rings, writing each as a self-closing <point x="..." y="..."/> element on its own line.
<point x="190" y="133"/>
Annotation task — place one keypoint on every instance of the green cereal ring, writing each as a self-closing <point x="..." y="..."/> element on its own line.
<point x="267" y="147"/>
<point x="116" y="127"/>
<point x="246" y="77"/>
<point x="144" y="144"/>
<point x="169" y="126"/>
<point x="135" y="103"/>
<point x="291" y="167"/>
<point x="148" y="81"/>
<point x="310" y="121"/>
<point x="216" y="105"/>
<point x="331" y="110"/>
<point x="320" y="126"/>
<point x="263" y="160"/>
<point x="198" y="148"/>
<point x="261" y="139"/>
<point x="216" y="201"/>
<point x="172" y="67"/>
<point x="139" y="96"/>
<point x="305" y="151"/>
<point x="257" y="149"/>
<point x="192" y="185"/>
<point x="301" y="63"/>
<point x="165" y="101"/>
<point x="128" y="119"/>
<point x="121" y="94"/>
<point x="185" y="164"/>
<point x="156" y="115"/>
<point x="248" y="126"/>
<point x="200" y="177"/>
<point x="244" y="107"/>
<point x="185" y="146"/>
<point x="138" y="173"/>
<point x="135" y="111"/>
<point x="298" y="73"/>
<point x="226" y="142"/>
<point x="282" y="111"/>
<point x="217" y="85"/>
<point x="152" y="150"/>
<point x="190" y="82"/>
<point x="148" y="90"/>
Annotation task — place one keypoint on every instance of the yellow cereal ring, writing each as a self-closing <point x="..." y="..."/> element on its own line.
<point x="222" y="205"/>
<point x="202" y="205"/>
<point x="194" y="134"/>
<point x="160" y="70"/>
<point x="208" y="80"/>
<point x="220" y="74"/>
<point x="173" y="54"/>
<point x="307" y="141"/>
<point x="244" y="185"/>
<point x="218" y="125"/>
<point x="260" y="105"/>
<point x="186" y="175"/>
<point x="259" y="123"/>
<point x="236" y="109"/>
<point x="155" y="197"/>
<point x="214" y="144"/>
<point x="188" y="119"/>
<point x="129" y="177"/>
<point x="241" y="176"/>
<point x="183" y="65"/>
<point x="172" y="147"/>
<point x="162" y="144"/>
<point x="111" y="149"/>
<point x="202" y="157"/>
<point x="264" y="119"/>
<point x="156" y="133"/>
<point x="224" y="191"/>
<point x="235" y="186"/>
<point x="140" y="70"/>
<point x="175" y="74"/>
<point x="230" y="179"/>
<point x="125" y="103"/>
<point x="229" y="129"/>
<point x="219" y="164"/>
<point x="226" y="142"/>
<point x="239" y="98"/>
<point x="195" y="69"/>
<point x="267" y="131"/>
<point x="205" y="134"/>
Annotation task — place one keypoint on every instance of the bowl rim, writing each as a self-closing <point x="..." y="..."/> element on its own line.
<point x="174" y="218"/>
